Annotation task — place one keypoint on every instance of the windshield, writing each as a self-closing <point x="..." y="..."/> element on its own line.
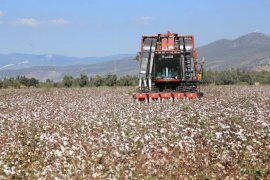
<point x="167" y="67"/>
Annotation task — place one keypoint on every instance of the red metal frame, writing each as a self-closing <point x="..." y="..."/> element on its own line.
<point x="178" y="95"/>
<point x="140" y="95"/>
<point x="192" y="95"/>
<point x="153" y="95"/>
<point x="166" y="95"/>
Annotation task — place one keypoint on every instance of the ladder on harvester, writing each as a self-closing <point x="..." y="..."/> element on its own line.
<point x="188" y="71"/>
<point x="187" y="60"/>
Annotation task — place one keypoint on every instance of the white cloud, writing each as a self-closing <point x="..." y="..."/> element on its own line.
<point x="145" y="20"/>
<point x="32" y="22"/>
<point x="2" y="13"/>
<point x="29" y="22"/>
<point x="59" y="22"/>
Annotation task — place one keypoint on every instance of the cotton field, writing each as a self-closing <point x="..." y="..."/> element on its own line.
<point x="101" y="133"/>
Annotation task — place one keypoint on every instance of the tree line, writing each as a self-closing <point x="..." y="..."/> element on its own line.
<point x="236" y="76"/>
<point x="19" y="81"/>
<point x="70" y="81"/>
<point x="226" y="77"/>
<point x="96" y="81"/>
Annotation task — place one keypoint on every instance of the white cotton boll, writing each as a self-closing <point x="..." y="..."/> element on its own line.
<point x="51" y="140"/>
<point x="42" y="137"/>
<point x="132" y="124"/>
<point x="65" y="143"/>
<point x="43" y="173"/>
<point x="95" y="175"/>
<point x="99" y="155"/>
<point x="7" y="170"/>
<point x="163" y="130"/>
<point x="117" y="154"/>
<point x="100" y="123"/>
<point x="218" y="135"/>
<point x="58" y="153"/>
<point x="71" y="153"/>
<point x="13" y="170"/>
<point x="82" y="128"/>
<point x="99" y="167"/>
<point x="79" y="158"/>
<point x="62" y="148"/>
<point x="64" y="138"/>
<point x="165" y="150"/>
<point x="137" y="139"/>
<point x="74" y="148"/>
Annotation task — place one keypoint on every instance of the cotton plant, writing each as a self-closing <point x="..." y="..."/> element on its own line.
<point x="102" y="133"/>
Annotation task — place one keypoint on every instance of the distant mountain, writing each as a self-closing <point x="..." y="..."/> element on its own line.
<point x="120" y="67"/>
<point x="250" y="52"/>
<point x="19" y="61"/>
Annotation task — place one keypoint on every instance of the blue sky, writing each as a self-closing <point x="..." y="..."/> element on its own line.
<point x="99" y="28"/>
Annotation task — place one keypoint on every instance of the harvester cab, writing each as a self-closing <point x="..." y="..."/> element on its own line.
<point x="168" y="68"/>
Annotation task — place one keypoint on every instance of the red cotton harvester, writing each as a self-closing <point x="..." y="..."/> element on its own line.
<point x="168" y="68"/>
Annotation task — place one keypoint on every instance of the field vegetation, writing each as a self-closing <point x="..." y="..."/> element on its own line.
<point x="100" y="132"/>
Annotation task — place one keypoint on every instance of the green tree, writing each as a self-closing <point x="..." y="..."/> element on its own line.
<point x="98" y="81"/>
<point x="91" y="82"/>
<point x="227" y="77"/>
<point x="263" y="77"/>
<point x="68" y="81"/>
<point x="49" y="81"/>
<point x="248" y="78"/>
<point x="33" y="82"/>
<point x="128" y="80"/>
<point x="76" y="82"/>
<point x="110" y="80"/>
<point x="26" y="81"/>
<point x="209" y="77"/>
<point x="23" y="80"/>
<point x="11" y="82"/>
<point x="83" y="80"/>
